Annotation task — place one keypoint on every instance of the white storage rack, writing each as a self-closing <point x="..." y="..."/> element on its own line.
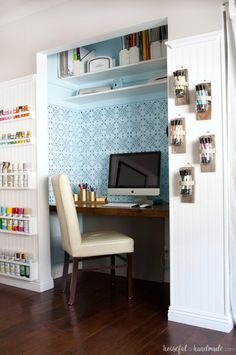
<point x="16" y="93"/>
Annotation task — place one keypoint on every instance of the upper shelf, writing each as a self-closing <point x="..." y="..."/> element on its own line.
<point x="119" y="71"/>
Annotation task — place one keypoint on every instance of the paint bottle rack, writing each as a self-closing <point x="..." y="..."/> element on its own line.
<point x="15" y="117"/>
<point x="32" y="225"/>
<point x="33" y="269"/>
<point x="29" y="181"/>
<point x="19" y="188"/>
<point x="20" y="142"/>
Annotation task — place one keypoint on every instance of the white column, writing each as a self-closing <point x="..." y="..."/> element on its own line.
<point x="199" y="268"/>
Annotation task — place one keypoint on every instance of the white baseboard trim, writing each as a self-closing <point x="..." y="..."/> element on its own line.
<point x="35" y="286"/>
<point x="46" y="285"/>
<point x="210" y="321"/>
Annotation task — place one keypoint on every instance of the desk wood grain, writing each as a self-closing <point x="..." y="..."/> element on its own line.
<point x="160" y="211"/>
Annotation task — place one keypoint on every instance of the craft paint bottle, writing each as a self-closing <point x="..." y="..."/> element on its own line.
<point x="17" y="269"/>
<point x="12" y="268"/>
<point x="20" y="226"/>
<point x="9" y="224"/>
<point x="20" y="176"/>
<point x="15" y="176"/>
<point x="2" y="268"/>
<point x="22" y="270"/>
<point x="9" y="211"/>
<point x="27" y="214"/>
<point x="9" y="177"/>
<point x="15" y="225"/>
<point x="6" y="267"/>
<point x="4" y="224"/>
<point x="4" y="177"/>
<point x="20" y="212"/>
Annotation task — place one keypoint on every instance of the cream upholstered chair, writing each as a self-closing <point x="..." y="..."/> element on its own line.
<point x="84" y="246"/>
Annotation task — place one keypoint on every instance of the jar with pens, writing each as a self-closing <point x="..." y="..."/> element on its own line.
<point x="187" y="184"/>
<point x="83" y="192"/>
<point x="181" y="87"/>
<point x="203" y="101"/>
<point x="177" y="135"/>
<point x="87" y="193"/>
<point x="207" y="153"/>
<point x="92" y="193"/>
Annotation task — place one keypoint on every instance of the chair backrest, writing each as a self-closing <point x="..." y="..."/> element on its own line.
<point x="67" y="214"/>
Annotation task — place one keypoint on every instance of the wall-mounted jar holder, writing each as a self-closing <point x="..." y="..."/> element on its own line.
<point x="203" y="101"/>
<point x="177" y="135"/>
<point x="181" y="87"/>
<point x="207" y="153"/>
<point x="187" y="184"/>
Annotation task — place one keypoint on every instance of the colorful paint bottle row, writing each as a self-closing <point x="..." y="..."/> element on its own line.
<point x="15" y="138"/>
<point x="16" y="112"/>
<point x="15" y="263"/>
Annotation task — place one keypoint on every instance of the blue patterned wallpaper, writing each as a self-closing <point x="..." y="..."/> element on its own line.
<point x="80" y="141"/>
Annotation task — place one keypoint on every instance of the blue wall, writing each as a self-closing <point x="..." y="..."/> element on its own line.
<point x="80" y="141"/>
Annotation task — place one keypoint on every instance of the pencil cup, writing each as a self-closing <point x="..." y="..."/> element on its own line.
<point x="83" y="195"/>
<point x="92" y="196"/>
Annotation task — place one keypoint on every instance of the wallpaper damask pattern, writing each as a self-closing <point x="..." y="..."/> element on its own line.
<point x="80" y="141"/>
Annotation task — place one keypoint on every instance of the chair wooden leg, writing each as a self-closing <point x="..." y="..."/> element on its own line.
<point x="73" y="282"/>
<point x="65" y="270"/>
<point x="113" y="271"/>
<point x="130" y="275"/>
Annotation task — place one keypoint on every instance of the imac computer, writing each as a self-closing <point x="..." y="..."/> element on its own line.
<point x="135" y="174"/>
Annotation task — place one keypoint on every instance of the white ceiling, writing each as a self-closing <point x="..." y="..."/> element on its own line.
<point x="13" y="10"/>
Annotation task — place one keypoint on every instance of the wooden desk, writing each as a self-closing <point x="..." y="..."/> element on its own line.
<point x="149" y="231"/>
<point x="160" y="211"/>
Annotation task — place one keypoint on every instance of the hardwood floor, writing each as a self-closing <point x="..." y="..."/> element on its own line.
<point x="102" y="322"/>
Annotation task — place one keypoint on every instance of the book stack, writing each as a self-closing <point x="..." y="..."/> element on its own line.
<point x="149" y="44"/>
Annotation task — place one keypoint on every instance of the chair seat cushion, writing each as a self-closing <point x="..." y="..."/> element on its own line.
<point x="105" y="243"/>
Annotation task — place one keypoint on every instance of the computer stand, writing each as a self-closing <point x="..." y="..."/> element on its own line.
<point x="142" y="201"/>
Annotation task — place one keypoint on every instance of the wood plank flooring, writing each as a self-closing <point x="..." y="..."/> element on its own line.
<point x="102" y="322"/>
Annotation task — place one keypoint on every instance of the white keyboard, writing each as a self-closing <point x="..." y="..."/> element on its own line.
<point x="120" y="204"/>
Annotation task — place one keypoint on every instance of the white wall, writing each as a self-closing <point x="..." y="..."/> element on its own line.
<point x="77" y="21"/>
<point x="198" y="231"/>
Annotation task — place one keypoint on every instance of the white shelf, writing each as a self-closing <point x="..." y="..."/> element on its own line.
<point x="31" y="181"/>
<point x="5" y="231"/>
<point x="14" y="174"/>
<point x="119" y="71"/>
<point x="120" y="93"/>
<point x="18" y="188"/>
<point x="18" y="218"/>
<point x="10" y="143"/>
<point x="12" y="115"/>
<point x="12" y="119"/>
<point x="32" y="267"/>
<point x="32" y="226"/>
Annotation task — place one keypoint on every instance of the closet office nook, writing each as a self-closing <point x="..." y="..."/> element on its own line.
<point x="115" y="95"/>
<point x="110" y="97"/>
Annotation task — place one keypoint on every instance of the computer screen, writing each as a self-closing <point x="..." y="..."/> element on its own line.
<point x="135" y="174"/>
